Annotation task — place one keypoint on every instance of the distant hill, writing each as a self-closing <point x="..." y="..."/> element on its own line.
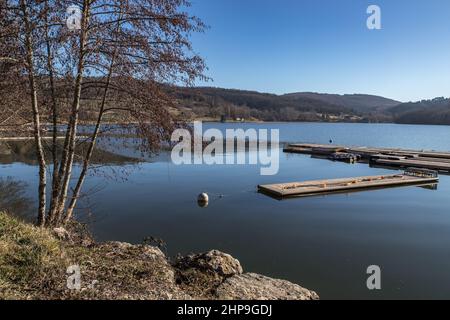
<point x="257" y="100"/>
<point x="435" y="111"/>
<point x="210" y="103"/>
<point x="358" y="102"/>
<point x="214" y="102"/>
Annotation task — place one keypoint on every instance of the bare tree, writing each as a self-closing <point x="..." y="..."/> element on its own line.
<point x="115" y="64"/>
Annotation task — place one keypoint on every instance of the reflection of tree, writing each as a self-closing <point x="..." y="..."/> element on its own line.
<point x="25" y="152"/>
<point x="13" y="198"/>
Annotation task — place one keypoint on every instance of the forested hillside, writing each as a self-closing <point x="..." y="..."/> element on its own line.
<point x="216" y="102"/>
<point x="435" y="111"/>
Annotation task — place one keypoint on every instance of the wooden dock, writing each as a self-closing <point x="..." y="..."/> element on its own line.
<point x="388" y="157"/>
<point x="345" y="185"/>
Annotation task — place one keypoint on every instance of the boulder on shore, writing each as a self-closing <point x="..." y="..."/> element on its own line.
<point x="217" y="275"/>
<point x="252" y="286"/>
<point x="213" y="261"/>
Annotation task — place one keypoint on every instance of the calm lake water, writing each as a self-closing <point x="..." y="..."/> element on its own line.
<point x="323" y="243"/>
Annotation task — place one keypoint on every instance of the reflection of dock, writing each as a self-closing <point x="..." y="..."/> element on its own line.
<point x="388" y="157"/>
<point x="310" y="188"/>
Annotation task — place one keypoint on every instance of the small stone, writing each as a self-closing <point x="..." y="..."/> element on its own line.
<point x="120" y="245"/>
<point x="61" y="233"/>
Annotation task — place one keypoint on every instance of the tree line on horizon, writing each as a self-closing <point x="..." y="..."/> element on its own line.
<point x="214" y="102"/>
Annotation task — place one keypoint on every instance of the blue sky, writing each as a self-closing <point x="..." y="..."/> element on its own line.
<point x="282" y="46"/>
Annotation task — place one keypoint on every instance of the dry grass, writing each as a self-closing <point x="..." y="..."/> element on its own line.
<point x="30" y="259"/>
<point x="33" y="265"/>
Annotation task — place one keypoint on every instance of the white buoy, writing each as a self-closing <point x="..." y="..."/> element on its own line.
<point x="203" y="199"/>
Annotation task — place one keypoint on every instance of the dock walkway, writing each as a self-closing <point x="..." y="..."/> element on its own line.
<point x="316" y="187"/>
<point x="388" y="157"/>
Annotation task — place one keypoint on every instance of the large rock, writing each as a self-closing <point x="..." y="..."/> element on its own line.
<point x="213" y="261"/>
<point x="200" y="274"/>
<point x="136" y="272"/>
<point x="251" y="286"/>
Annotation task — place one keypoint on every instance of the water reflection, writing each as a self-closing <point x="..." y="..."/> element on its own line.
<point x="25" y="152"/>
<point x="13" y="197"/>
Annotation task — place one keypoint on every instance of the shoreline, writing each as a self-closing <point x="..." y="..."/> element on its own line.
<point x="89" y="123"/>
<point x="69" y="264"/>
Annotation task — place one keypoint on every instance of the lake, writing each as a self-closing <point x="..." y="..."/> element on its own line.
<point x="323" y="243"/>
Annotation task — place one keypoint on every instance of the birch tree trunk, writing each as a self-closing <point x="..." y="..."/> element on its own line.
<point x="36" y="116"/>
<point x="88" y="156"/>
<point x="54" y="108"/>
<point x="66" y="165"/>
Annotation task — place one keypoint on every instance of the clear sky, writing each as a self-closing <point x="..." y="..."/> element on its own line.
<point x="282" y="46"/>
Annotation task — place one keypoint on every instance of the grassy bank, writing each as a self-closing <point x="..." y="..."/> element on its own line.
<point x="29" y="259"/>
<point x="33" y="265"/>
